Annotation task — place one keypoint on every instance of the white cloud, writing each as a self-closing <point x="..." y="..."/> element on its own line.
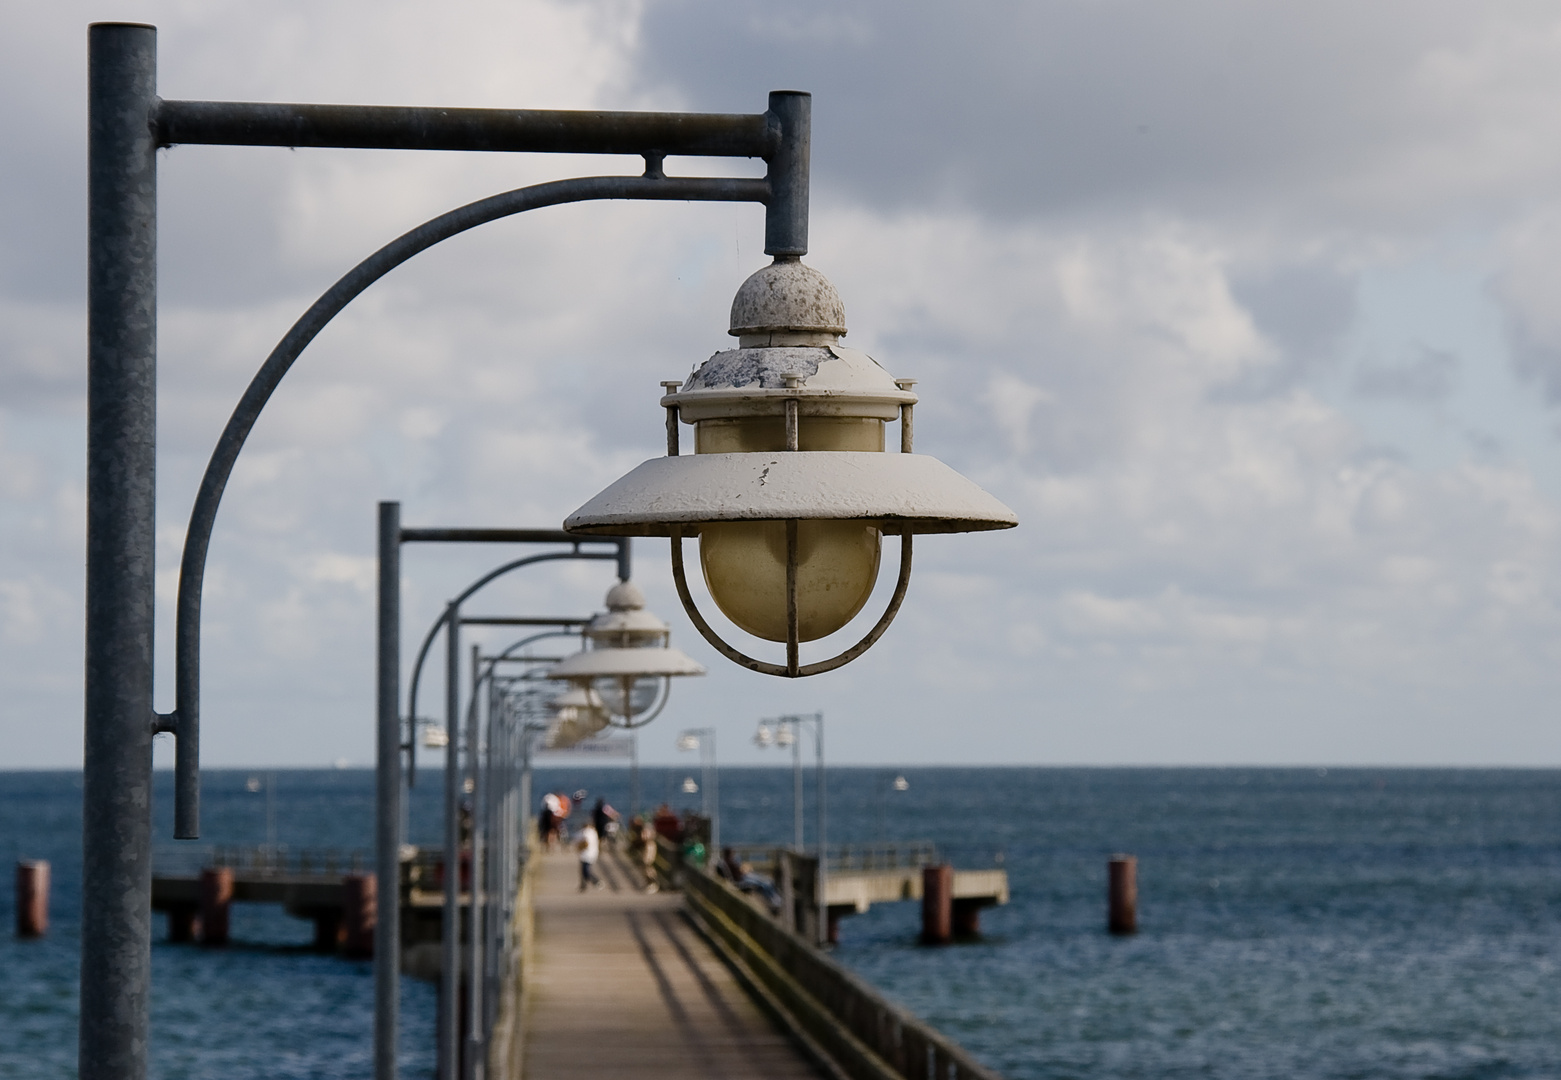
<point x="1122" y="250"/>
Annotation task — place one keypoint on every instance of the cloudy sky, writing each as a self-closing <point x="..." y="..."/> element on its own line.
<point x="1245" y="308"/>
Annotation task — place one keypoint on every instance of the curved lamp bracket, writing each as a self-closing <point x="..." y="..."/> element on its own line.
<point x="444" y="617"/>
<point x="791" y="669"/>
<point x="184" y="721"/>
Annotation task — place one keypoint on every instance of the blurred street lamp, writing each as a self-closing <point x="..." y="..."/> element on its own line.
<point x="629" y="663"/>
<point x="575" y="715"/>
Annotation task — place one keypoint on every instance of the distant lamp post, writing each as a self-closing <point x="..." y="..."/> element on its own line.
<point x="789" y="488"/>
<point x="782" y="732"/>
<point x="628" y="667"/>
<point x="254" y="785"/>
<point x="703" y="740"/>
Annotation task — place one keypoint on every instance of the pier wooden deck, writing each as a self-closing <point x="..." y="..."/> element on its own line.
<point x="622" y="986"/>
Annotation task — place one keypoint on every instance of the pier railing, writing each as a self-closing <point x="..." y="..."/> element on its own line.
<point x="266" y="860"/>
<point x="846" y="1025"/>
<point x="872" y="858"/>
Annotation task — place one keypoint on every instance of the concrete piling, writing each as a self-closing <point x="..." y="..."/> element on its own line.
<point x="32" y="898"/>
<point x="184" y="923"/>
<point x="327" y="930"/>
<point x="937" y="904"/>
<point x="1122" y="895"/>
<point x="360" y="912"/>
<point x="216" y="899"/>
<point x="967" y="916"/>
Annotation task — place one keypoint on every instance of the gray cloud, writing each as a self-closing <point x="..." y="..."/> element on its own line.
<point x="1215" y="108"/>
<point x="1425" y="376"/>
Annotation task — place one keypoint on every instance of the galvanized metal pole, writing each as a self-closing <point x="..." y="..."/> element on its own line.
<point x="387" y="797"/>
<point x="796" y="782"/>
<point x="634" y="771"/>
<point x="526" y="833"/>
<point x="786" y="215"/>
<point x="821" y="877"/>
<point x="450" y="953"/>
<point x="713" y="781"/>
<point x="116" y="910"/>
<point x="474" y="755"/>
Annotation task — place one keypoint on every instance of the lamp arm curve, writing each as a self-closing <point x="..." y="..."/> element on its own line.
<point x="185" y="720"/>
<point x="444" y="617"/>
<point x="493" y="661"/>
<point x="764" y="667"/>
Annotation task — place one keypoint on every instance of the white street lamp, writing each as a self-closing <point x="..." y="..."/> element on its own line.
<point x="577" y="714"/>
<point x="789" y="488"/>
<point x="628" y="666"/>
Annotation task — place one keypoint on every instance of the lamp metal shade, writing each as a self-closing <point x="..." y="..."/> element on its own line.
<point x="910" y="492"/>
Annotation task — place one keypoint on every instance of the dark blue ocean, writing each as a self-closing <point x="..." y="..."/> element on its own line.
<point x="1341" y="923"/>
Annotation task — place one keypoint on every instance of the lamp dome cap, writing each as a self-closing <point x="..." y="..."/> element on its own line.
<point x="625" y="596"/>
<point x="787" y="297"/>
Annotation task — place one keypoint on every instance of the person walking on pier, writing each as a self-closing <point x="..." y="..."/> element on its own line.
<point x="605" y="818"/>
<point x="546" y="820"/>
<point x="589" y="848"/>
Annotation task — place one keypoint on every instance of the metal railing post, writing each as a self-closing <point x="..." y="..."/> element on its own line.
<point x="116" y="909"/>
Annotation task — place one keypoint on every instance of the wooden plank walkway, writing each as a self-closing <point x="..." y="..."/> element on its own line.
<point x="622" y="986"/>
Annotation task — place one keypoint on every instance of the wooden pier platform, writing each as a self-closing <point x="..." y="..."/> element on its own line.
<point x="621" y="985"/>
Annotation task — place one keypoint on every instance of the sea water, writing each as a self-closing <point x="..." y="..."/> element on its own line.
<point x="1297" y="923"/>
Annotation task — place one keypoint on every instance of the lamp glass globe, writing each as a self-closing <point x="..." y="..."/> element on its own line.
<point x="627" y="696"/>
<point x="744" y="562"/>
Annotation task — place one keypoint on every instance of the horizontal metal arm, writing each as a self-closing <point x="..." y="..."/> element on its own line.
<point x="203" y="515"/>
<point x="389" y="127"/>
<point x="487" y="536"/>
